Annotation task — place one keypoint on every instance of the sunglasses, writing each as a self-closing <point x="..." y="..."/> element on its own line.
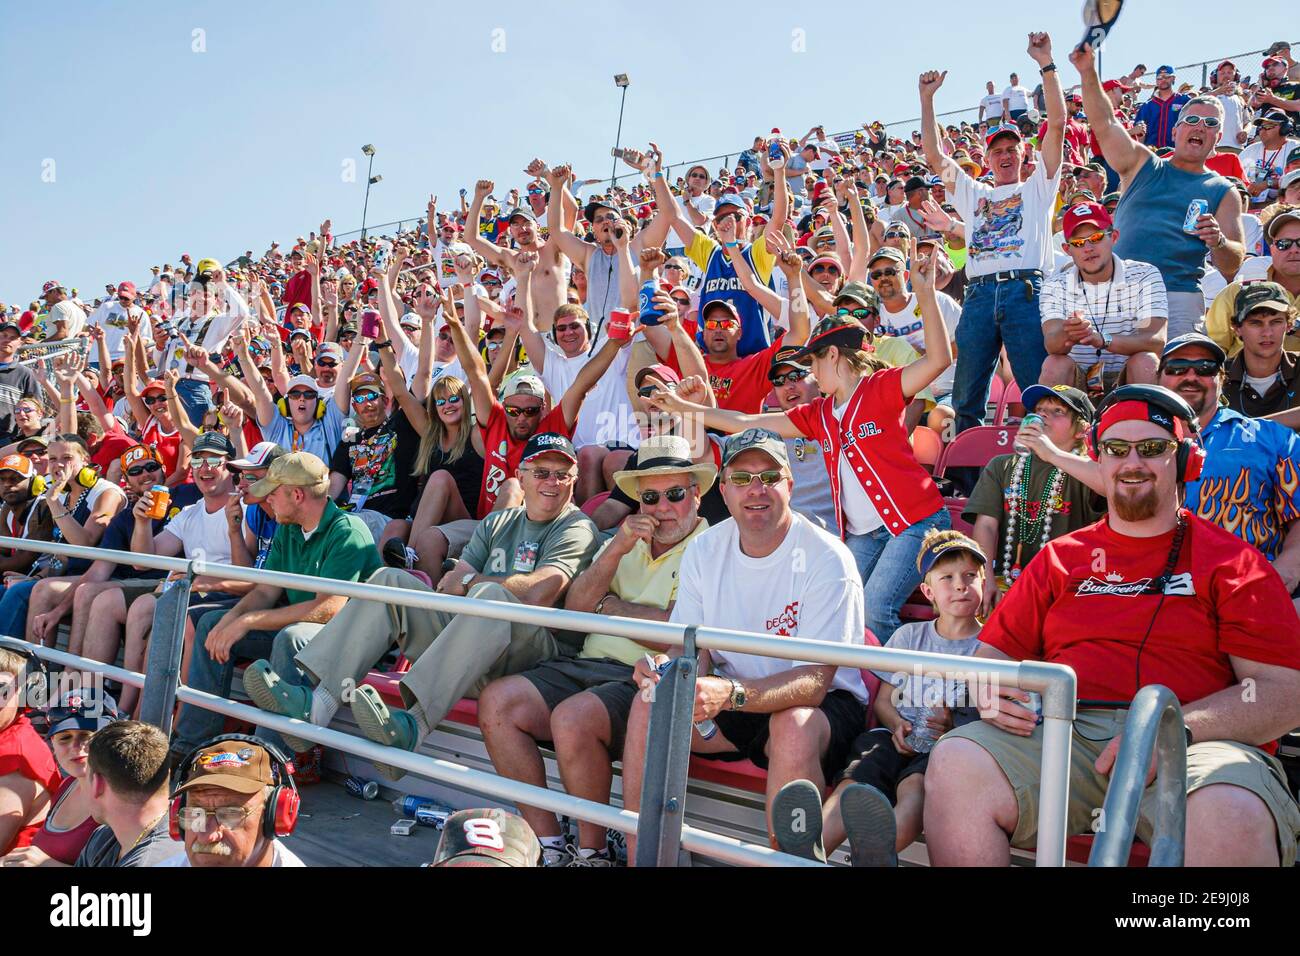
<point x="685" y="302"/>
<point x="1146" y="448"/>
<point x="607" y="218"/>
<point x="818" y="270"/>
<point x="568" y="327"/>
<point x="674" y="495"/>
<point x="365" y="396"/>
<point x="714" y="324"/>
<point x="148" y="468"/>
<point x="743" y="478"/>
<point x="675" y="265"/>
<point x="881" y="273"/>
<point x="1209" y="122"/>
<point x="154" y="399"/>
<point x="327" y="363"/>
<point x="1092" y="240"/>
<point x="1205" y="368"/>
<point x="301" y="395"/>
<point x="1284" y="244"/>
<point x="859" y="314"/>
<point x="546" y="474"/>
<point x="208" y="461"/>
<point x="796" y="375"/>
<point x="514" y="411"/>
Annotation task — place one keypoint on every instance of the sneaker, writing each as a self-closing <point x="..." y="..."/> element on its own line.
<point x="273" y="694"/>
<point x="557" y="856"/>
<point x="599" y="858"/>
<point x="797" y="820"/>
<point x="393" y="728"/>
<point x="397" y="555"/>
<point x="870" y="826"/>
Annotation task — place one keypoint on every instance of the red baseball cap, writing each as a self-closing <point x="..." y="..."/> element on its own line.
<point x="1116" y="85"/>
<point x="126" y="288"/>
<point x="1004" y="130"/>
<point x="1086" y="212"/>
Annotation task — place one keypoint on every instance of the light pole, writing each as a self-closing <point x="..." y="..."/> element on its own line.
<point x="621" y="81"/>
<point x="369" y="150"/>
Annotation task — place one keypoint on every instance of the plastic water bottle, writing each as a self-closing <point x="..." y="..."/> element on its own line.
<point x="922" y="739"/>
<point x="706" y="728"/>
<point x="774" y="157"/>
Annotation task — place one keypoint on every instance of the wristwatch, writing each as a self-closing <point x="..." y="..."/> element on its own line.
<point x="1106" y="339"/>
<point x="1047" y="69"/>
<point x="1188" y="731"/>
<point x="464" y="581"/>
<point x="737" y="695"/>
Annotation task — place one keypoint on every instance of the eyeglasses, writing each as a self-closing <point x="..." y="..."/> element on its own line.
<point x="1146" y="448"/>
<point x="1205" y="368"/>
<point x="148" y="468"/>
<point x="714" y="324"/>
<point x="796" y="375"/>
<point x="33" y="410"/>
<point x="196" y="819"/>
<point x="208" y="461"/>
<point x="154" y="399"/>
<point x="881" y="273"/>
<point x="1282" y="245"/>
<point x="819" y="269"/>
<point x="449" y="400"/>
<point x="1092" y="240"/>
<point x="1209" y="122"/>
<point x="301" y="395"/>
<point x="546" y="474"/>
<point x="568" y="327"/>
<point x="514" y="411"/>
<point x="674" y="495"/>
<point x="365" y="396"/>
<point x="743" y="478"/>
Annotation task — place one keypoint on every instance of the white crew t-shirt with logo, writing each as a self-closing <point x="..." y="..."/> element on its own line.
<point x="1007" y="227"/>
<point x="906" y="324"/>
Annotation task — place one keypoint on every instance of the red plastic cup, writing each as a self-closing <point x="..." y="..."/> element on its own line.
<point x="620" y="324"/>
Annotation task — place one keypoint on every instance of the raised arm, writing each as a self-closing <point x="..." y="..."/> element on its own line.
<point x="177" y="412"/>
<point x="588" y="376"/>
<point x="476" y="376"/>
<point x="1122" y="153"/>
<point x="940" y="163"/>
<point x="1040" y="50"/>
<point x="573" y="247"/>
<point x="396" y="385"/>
<point x="520" y="319"/>
<point x="488" y="250"/>
<point x="724" y="419"/>
<point x="130" y="384"/>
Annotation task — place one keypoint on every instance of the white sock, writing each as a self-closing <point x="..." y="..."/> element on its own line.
<point x="323" y="707"/>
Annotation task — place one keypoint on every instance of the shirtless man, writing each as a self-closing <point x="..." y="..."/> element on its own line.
<point x="549" y="281"/>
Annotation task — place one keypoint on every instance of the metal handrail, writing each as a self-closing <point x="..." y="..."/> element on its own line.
<point x="1154" y="724"/>
<point x="1055" y="682"/>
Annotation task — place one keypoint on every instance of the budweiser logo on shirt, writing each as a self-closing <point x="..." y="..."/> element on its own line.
<point x="1095" y="585"/>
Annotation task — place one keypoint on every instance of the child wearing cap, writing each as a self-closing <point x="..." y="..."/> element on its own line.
<point x="1022" y="500"/>
<point x="890" y="771"/>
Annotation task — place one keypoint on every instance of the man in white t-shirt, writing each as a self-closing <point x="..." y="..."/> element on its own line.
<point x="991" y="109"/>
<point x="112" y="317"/>
<point x="1015" y="99"/>
<point x="1009" y="242"/>
<point x="1264" y="160"/>
<point x="900" y="314"/>
<point x="214" y="309"/>
<point x="223" y="813"/>
<point x="772" y="571"/>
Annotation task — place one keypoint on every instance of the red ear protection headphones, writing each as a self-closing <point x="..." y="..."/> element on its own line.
<point x="1190" y="457"/>
<point x="281" y="813"/>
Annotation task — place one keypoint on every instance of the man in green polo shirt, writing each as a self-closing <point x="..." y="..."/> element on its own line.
<point x="313" y="537"/>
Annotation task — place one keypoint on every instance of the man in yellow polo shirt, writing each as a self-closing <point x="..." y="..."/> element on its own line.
<point x="581" y="703"/>
<point x="1284" y="236"/>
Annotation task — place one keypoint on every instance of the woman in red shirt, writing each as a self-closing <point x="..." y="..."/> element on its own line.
<point x="28" y="774"/>
<point x="68" y="824"/>
<point x="885" y="500"/>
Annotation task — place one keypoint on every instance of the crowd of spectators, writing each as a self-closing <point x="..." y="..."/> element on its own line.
<point x="704" y="401"/>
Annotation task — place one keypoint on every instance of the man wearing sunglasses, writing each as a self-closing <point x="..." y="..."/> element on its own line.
<point x="1103" y="317"/>
<point x="795" y="720"/>
<point x="1158" y="194"/>
<point x="1283" y="269"/>
<point x="1160" y="113"/>
<point x="1264" y="160"/>
<point x="581" y="702"/>
<point x="793" y="384"/>
<point x="1185" y="605"/>
<point x="900" y="313"/>
<point x="112" y="317"/>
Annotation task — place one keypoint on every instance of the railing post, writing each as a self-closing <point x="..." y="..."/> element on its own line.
<point x="163" y="670"/>
<point x="667" y="759"/>
<point x="1155" y="722"/>
<point x="1054" y="773"/>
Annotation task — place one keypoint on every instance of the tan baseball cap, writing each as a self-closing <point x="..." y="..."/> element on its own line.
<point x="237" y="765"/>
<point x="300" y="469"/>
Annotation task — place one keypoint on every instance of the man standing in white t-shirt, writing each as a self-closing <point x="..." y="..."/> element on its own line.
<point x="772" y="571"/>
<point x="991" y="108"/>
<point x="1008" y="238"/>
<point x="112" y="317"/>
<point x="1015" y="99"/>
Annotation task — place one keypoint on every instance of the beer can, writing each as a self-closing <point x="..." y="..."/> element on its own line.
<point x="433" y="816"/>
<point x="361" y="787"/>
<point x="1195" y="209"/>
<point x="1035" y="704"/>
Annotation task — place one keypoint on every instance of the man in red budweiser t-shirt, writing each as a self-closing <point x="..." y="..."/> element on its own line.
<point x="1151" y="594"/>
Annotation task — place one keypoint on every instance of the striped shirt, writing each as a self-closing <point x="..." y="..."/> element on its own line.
<point x="1135" y="293"/>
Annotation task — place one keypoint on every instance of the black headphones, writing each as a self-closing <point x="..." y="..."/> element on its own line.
<point x="1190" y="458"/>
<point x="280" y="814"/>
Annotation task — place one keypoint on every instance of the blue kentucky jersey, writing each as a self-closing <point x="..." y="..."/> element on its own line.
<point x="721" y="282"/>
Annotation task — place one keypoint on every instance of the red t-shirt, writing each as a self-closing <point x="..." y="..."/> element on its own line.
<point x="501" y="452"/>
<point x="1226" y="164"/>
<point x="739" y="386"/>
<point x="1082" y="601"/>
<point x="22" y="751"/>
<point x="168" y="444"/>
<point x="110" y="448"/>
<point x="1095" y="147"/>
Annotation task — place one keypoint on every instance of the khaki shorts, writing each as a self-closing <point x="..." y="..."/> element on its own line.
<point x="458" y="534"/>
<point x="1212" y="762"/>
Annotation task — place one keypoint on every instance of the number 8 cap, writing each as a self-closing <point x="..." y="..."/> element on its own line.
<point x="487" y="837"/>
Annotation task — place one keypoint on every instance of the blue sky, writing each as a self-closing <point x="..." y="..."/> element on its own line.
<point x="130" y="138"/>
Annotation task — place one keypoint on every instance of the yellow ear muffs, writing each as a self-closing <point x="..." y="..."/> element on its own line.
<point x="36" y="487"/>
<point x="283" y="405"/>
<point x="88" y="476"/>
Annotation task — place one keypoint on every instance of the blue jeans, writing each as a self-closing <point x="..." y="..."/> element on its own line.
<point x="887" y="564"/>
<point x="197" y="725"/>
<point x="13" y="609"/>
<point x="994" y="314"/>
<point x="196" y="397"/>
